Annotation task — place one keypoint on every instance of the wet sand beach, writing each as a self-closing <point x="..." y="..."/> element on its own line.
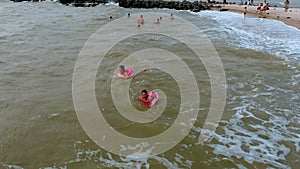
<point x="291" y="17"/>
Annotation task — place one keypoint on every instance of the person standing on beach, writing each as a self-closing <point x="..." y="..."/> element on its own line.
<point x="287" y="5"/>
<point x="265" y="7"/>
<point x="242" y="2"/>
<point x="265" y="2"/>
<point x="258" y="9"/>
<point x="245" y="11"/>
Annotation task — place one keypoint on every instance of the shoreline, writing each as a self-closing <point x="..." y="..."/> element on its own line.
<point x="291" y="17"/>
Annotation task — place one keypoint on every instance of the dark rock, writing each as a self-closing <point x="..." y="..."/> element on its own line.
<point x="223" y="9"/>
<point x="20" y="0"/>
<point x="183" y="5"/>
<point x="195" y="6"/>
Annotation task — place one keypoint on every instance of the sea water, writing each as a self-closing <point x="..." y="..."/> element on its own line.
<point x="40" y="43"/>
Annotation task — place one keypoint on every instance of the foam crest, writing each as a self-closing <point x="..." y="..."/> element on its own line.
<point x="9" y="166"/>
<point x="251" y="33"/>
<point x="104" y="159"/>
<point x="262" y="130"/>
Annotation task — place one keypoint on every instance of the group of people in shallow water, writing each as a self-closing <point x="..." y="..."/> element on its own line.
<point x="141" y="20"/>
<point x="262" y="8"/>
<point x="149" y="98"/>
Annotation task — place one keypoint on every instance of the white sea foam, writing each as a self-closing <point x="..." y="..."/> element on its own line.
<point x="130" y="162"/>
<point x="259" y="132"/>
<point x="10" y="166"/>
<point x="258" y="34"/>
<point x="53" y="115"/>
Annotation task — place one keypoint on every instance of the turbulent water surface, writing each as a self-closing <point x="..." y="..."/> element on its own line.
<point x="40" y="43"/>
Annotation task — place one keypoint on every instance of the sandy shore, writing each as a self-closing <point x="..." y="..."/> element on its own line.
<point x="292" y="17"/>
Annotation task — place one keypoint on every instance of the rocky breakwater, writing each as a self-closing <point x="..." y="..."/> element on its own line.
<point x="76" y="3"/>
<point x="83" y="3"/>
<point x="195" y="6"/>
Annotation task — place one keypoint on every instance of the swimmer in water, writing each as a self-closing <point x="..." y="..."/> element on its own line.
<point x="157" y="22"/>
<point x="141" y="20"/>
<point x="145" y="97"/>
<point x="172" y="17"/>
<point x="123" y="71"/>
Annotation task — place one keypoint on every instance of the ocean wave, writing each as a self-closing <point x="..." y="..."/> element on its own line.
<point x="10" y="166"/>
<point x="106" y="159"/>
<point x="258" y="34"/>
<point x="262" y="130"/>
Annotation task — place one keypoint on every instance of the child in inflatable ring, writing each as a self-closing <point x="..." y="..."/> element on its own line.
<point x="148" y="98"/>
<point x="125" y="72"/>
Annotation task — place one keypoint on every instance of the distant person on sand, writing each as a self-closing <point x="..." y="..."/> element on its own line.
<point x="258" y="9"/>
<point x="265" y="3"/>
<point x="265" y="8"/>
<point x="245" y="12"/>
<point x="287" y="5"/>
<point x="242" y="2"/>
<point x="260" y="14"/>
<point x="141" y="20"/>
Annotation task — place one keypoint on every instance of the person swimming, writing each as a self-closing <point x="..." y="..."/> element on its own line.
<point x="141" y="20"/>
<point x="146" y="97"/>
<point x="172" y="17"/>
<point x="149" y="98"/>
<point x="125" y="72"/>
<point x="157" y="21"/>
